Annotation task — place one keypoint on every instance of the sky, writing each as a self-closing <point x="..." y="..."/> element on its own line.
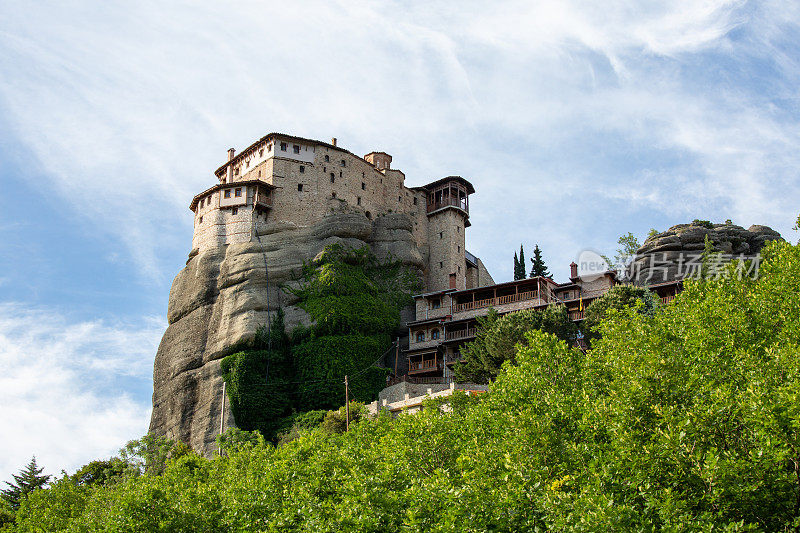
<point x="576" y="121"/>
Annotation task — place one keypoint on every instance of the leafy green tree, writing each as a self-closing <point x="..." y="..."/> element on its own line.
<point x="617" y="299"/>
<point x="498" y="338"/>
<point x="150" y="454"/>
<point x="100" y="472"/>
<point x="539" y="268"/>
<point x="29" y="479"/>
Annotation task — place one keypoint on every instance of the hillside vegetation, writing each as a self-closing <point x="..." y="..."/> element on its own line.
<point x="684" y="419"/>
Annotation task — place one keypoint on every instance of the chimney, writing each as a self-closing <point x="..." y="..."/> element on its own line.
<point x="573" y="270"/>
<point x="333" y="141"/>
<point x="229" y="171"/>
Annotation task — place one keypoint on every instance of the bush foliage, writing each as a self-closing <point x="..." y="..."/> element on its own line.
<point x="686" y="419"/>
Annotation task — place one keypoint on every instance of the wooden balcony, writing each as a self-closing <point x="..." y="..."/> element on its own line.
<point x="448" y="202"/>
<point x="667" y="299"/>
<point x="424" y="366"/>
<point x="500" y="300"/>
<point x="576" y="315"/>
<point x="460" y="334"/>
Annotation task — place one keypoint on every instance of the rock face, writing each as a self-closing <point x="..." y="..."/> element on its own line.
<point x="222" y="297"/>
<point x="667" y="255"/>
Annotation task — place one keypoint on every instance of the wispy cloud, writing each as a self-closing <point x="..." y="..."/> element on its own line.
<point x="66" y="386"/>
<point x="615" y="109"/>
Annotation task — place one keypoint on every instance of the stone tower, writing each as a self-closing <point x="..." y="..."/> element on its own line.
<point x="447" y="209"/>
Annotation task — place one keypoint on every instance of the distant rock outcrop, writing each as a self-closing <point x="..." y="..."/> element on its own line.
<point x="220" y="298"/>
<point x="665" y="256"/>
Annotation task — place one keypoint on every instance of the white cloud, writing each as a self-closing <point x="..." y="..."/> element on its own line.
<point x="610" y="109"/>
<point x="63" y="384"/>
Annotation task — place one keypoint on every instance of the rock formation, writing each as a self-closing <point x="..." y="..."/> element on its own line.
<point x="666" y="254"/>
<point x="221" y="298"/>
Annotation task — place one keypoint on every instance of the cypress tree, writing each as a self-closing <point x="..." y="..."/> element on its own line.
<point x="28" y="480"/>
<point x="539" y="268"/>
<point x="516" y="267"/>
<point x="521" y="263"/>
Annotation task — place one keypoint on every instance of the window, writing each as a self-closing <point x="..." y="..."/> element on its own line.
<point x="441" y="265"/>
<point x="259" y="173"/>
<point x="296" y="148"/>
<point x="299" y="187"/>
<point x="236" y="171"/>
<point x="327" y="158"/>
<point x="435" y="334"/>
<point x="302" y="169"/>
<point x="415" y="200"/>
<point x="201" y="220"/>
<point x="324" y="169"/>
<point x="234" y="211"/>
<point x="261" y="153"/>
<point x="340" y="173"/>
<point x="358" y="200"/>
<point x="399" y="198"/>
<point x="436" y="303"/>
<point x="227" y="193"/>
<point x="363" y="186"/>
<point x="420" y="336"/>
<point x="284" y="146"/>
<point x="333" y="178"/>
<point x="441" y="234"/>
<point x="238" y="192"/>
<point x="458" y="249"/>
<point x="333" y="195"/>
<point x="343" y="163"/>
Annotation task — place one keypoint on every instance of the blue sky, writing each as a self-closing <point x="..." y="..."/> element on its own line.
<point x="576" y="122"/>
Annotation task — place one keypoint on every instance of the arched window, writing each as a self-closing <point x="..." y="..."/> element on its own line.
<point x="435" y="334"/>
<point x="420" y="336"/>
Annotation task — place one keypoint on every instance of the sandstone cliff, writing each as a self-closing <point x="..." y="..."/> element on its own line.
<point x="686" y="240"/>
<point x="220" y="298"/>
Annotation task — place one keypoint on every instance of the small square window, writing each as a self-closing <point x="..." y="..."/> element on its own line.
<point x="343" y="163"/>
<point x="300" y="187"/>
<point x="302" y="169"/>
<point x="234" y="211"/>
<point x="284" y="146"/>
<point x="363" y="186"/>
<point x="227" y="193"/>
<point x="296" y="148"/>
<point x="238" y="192"/>
<point x="327" y="158"/>
<point x="358" y="200"/>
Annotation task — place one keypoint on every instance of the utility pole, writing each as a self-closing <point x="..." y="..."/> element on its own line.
<point x="347" y="405"/>
<point x="222" y="415"/>
<point x="396" y="356"/>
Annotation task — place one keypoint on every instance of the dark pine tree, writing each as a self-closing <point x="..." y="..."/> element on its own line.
<point x="521" y="274"/>
<point x="516" y="267"/>
<point x="539" y="268"/>
<point x="28" y="480"/>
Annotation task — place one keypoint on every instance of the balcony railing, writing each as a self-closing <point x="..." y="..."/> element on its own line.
<point x="667" y="299"/>
<point x="576" y="315"/>
<point x="455" y="202"/>
<point x="460" y="334"/>
<point x="423" y="365"/>
<point x="499" y="300"/>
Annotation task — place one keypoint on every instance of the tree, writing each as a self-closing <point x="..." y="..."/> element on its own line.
<point x="617" y="299"/>
<point x="539" y="268"/>
<point x="519" y="264"/>
<point x="29" y="479"/>
<point x="498" y="339"/>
